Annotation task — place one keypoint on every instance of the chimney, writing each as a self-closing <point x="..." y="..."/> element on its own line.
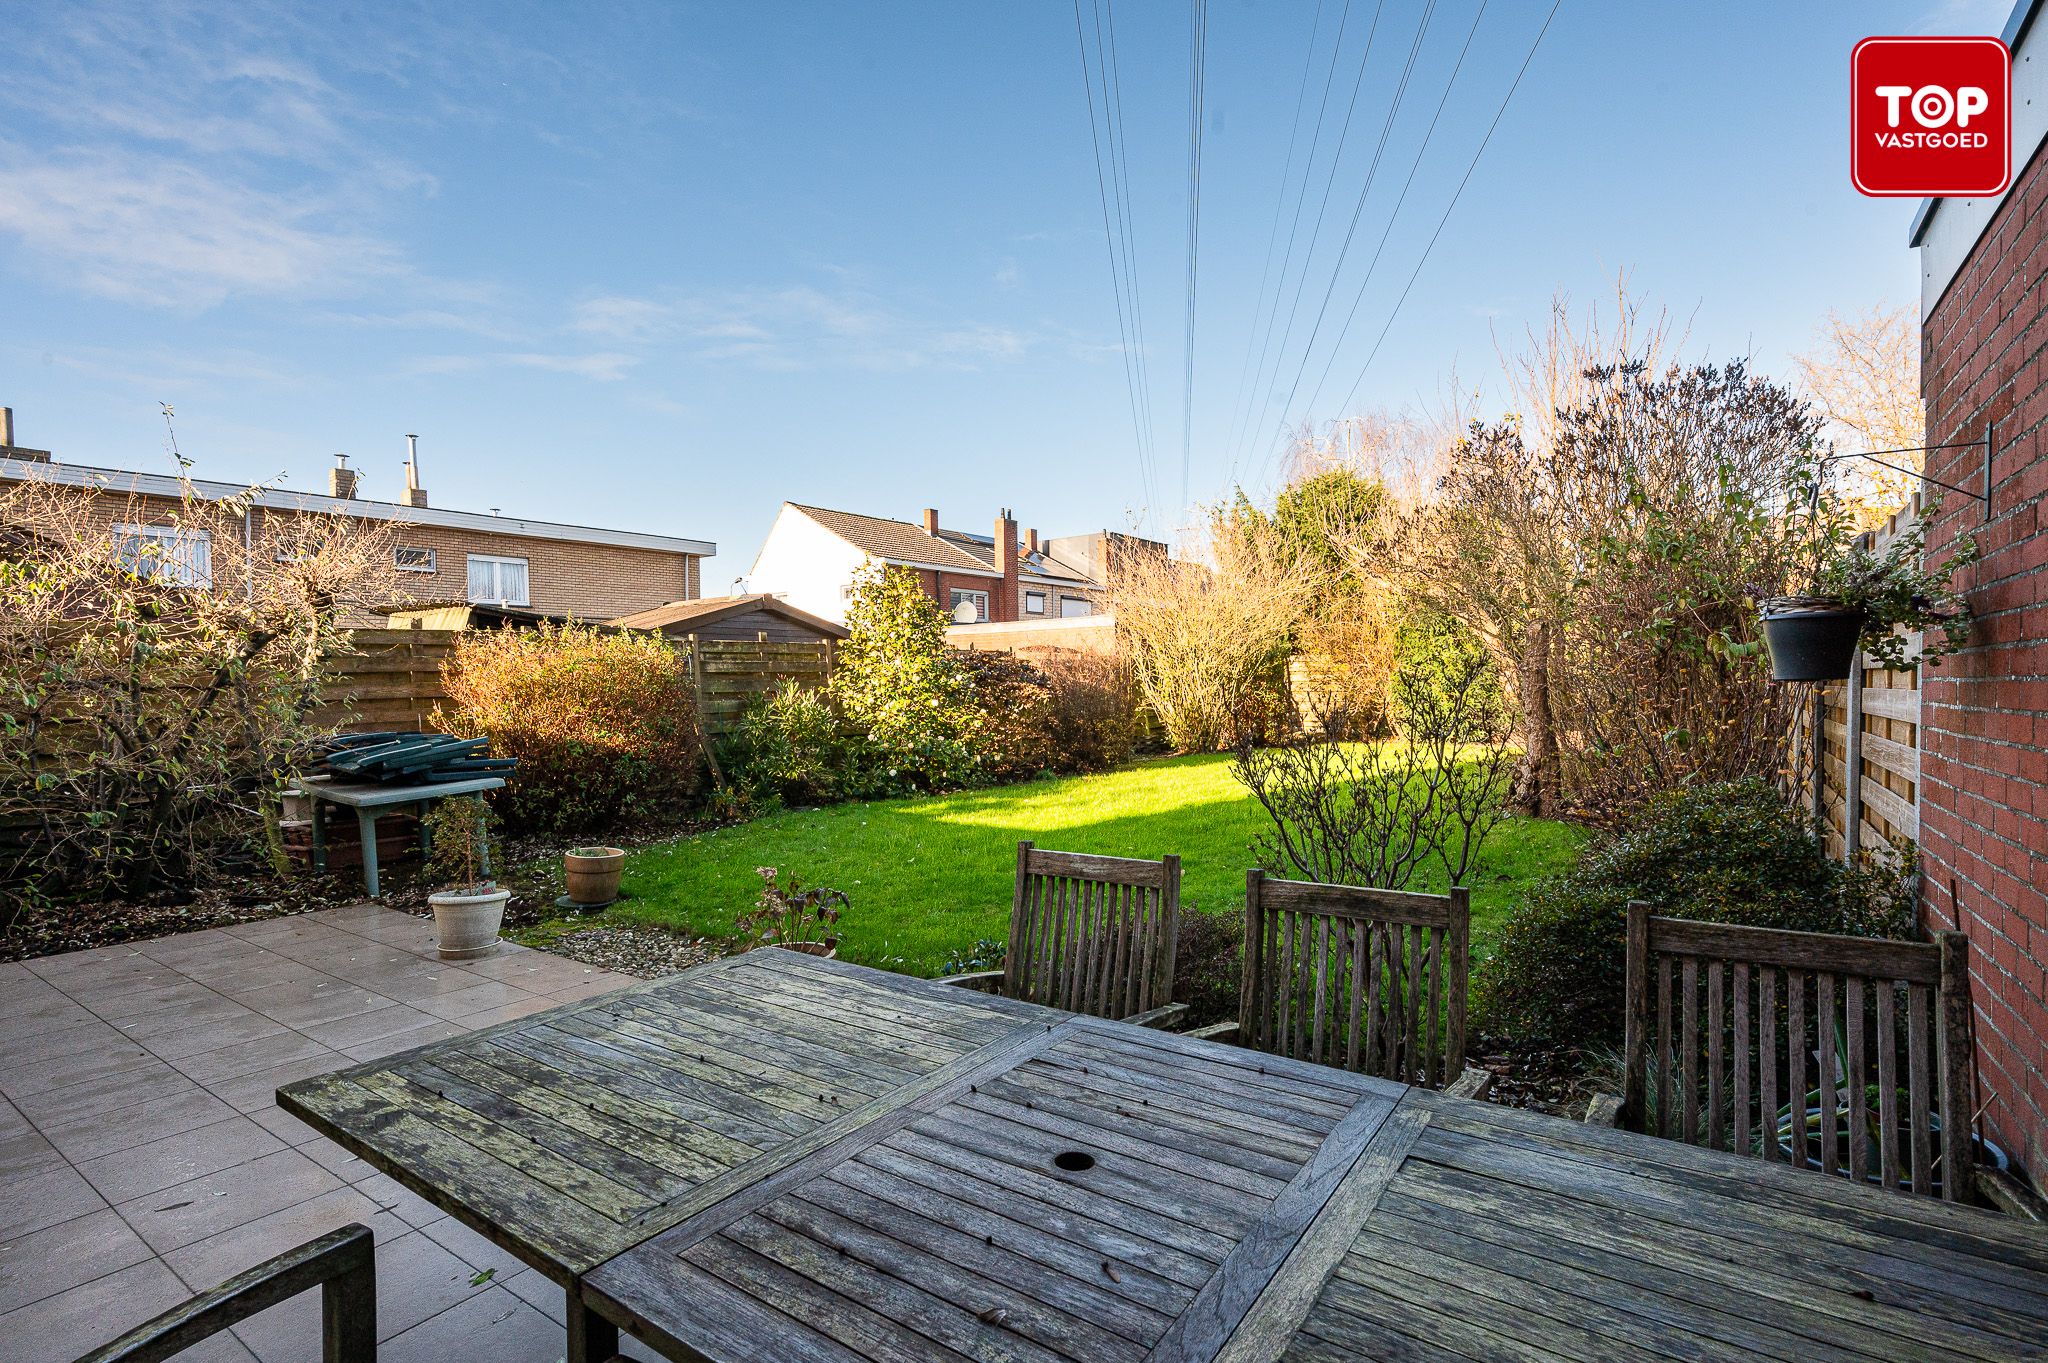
<point x="1031" y="541"/>
<point x="415" y="495"/>
<point x="931" y="521"/>
<point x="341" y="479"/>
<point x="1004" y="605"/>
<point x="10" y="450"/>
<point x="6" y="425"/>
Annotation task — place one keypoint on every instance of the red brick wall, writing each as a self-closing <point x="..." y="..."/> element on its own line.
<point x="1984" y="715"/>
<point x="939" y="586"/>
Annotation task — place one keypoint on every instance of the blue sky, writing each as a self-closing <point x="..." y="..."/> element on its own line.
<point x="661" y="266"/>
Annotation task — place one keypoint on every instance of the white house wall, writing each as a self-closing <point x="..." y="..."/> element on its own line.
<point x="806" y="565"/>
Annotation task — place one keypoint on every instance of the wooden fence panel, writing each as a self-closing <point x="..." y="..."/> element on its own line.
<point x="731" y="673"/>
<point x="391" y="678"/>
<point x="388" y="679"/>
<point x="1856" y="746"/>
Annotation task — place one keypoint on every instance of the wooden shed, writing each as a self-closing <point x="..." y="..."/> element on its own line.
<point x="747" y="618"/>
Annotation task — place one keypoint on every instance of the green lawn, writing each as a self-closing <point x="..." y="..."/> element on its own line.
<point x="932" y="874"/>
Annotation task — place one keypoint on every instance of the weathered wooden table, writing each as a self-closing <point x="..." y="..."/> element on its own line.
<point x="369" y="799"/>
<point x="781" y="1158"/>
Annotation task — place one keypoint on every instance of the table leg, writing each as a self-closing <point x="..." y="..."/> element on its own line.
<point x="366" y="820"/>
<point x="483" y="837"/>
<point x="319" y="840"/>
<point x="592" y="1338"/>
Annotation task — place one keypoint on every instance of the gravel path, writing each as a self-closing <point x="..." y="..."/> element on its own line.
<point x="646" y="952"/>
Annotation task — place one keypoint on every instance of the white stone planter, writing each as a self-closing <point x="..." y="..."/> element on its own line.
<point x="466" y="925"/>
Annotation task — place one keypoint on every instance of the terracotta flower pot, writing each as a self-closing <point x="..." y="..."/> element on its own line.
<point x="593" y="874"/>
<point x="466" y="925"/>
<point x="828" y="950"/>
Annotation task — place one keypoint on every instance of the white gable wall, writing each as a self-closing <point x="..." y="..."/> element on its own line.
<point x="806" y="565"/>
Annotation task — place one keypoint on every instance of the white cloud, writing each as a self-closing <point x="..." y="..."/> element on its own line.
<point x="601" y="367"/>
<point x="797" y="327"/>
<point x="165" y="233"/>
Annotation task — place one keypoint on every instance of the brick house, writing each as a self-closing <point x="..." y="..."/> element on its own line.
<point x="812" y="553"/>
<point x="1984" y="713"/>
<point x="439" y="555"/>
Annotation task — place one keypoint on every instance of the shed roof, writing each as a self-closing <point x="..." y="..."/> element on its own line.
<point x="707" y="610"/>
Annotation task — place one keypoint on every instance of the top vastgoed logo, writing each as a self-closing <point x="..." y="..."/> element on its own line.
<point x="1930" y="117"/>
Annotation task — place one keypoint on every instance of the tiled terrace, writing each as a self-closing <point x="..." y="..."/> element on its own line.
<point x="143" y="1157"/>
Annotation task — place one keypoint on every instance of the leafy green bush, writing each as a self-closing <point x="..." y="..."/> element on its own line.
<point x="1435" y="656"/>
<point x="603" y="723"/>
<point x="1208" y="965"/>
<point x="1013" y="701"/>
<point x="1729" y="853"/>
<point x="901" y="689"/>
<point x="791" y="747"/>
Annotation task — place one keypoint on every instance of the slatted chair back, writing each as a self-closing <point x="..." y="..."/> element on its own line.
<point x="1092" y="934"/>
<point x="1749" y="1040"/>
<point x="1372" y="980"/>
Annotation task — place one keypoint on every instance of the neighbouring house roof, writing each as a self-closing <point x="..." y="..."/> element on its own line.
<point x="123" y="481"/>
<point x="952" y="551"/>
<point x="706" y="611"/>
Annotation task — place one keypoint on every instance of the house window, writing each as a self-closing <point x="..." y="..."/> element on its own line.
<point x="1076" y="605"/>
<point x="182" y="558"/>
<point x="498" y="581"/>
<point x="978" y="599"/>
<point x="409" y="560"/>
<point x="1034" y="603"/>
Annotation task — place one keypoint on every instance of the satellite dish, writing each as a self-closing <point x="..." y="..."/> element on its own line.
<point x="965" y="613"/>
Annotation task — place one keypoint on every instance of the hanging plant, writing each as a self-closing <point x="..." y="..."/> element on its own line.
<point x="1871" y="601"/>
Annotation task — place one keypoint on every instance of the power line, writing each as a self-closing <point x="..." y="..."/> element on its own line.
<point x="1120" y="178"/>
<point x="1198" y="33"/>
<point x="1453" y="203"/>
<point x="1116" y="269"/>
<point x="1358" y="210"/>
<point x="1322" y="210"/>
<point x="1308" y="62"/>
<point x="1293" y="228"/>
<point x="1337" y="346"/>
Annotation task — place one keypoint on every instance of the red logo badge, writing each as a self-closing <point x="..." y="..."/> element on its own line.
<point x="1930" y="117"/>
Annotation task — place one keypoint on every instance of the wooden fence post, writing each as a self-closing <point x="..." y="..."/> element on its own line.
<point x="1636" y="1020"/>
<point x="697" y="706"/>
<point x="1958" y="1065"/>
<point x="1852" y="761"/>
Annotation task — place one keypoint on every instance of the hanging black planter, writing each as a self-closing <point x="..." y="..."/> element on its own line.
<point x="1811" y="638"/>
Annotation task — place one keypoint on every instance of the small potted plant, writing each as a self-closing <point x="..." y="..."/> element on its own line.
<point x="470" y="908"/>
<point x="787" y="915"/>
<point x="593" y="875"/>
<point x="1869" y="601"/>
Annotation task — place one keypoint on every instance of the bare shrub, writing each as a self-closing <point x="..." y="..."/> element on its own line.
<point x="1094" y="721"/>
<point x="159" y="667"/>
<point x="1204" y="634"/>
<point x="1347" y="813"/>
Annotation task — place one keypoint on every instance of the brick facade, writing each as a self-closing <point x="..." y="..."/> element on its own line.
<point x="564" y="577"/>
<point x="1984" y="718"/>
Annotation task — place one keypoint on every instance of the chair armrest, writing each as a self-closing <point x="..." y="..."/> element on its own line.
<point x="987" y="981"/>
<point x="2000" y="1190"/>
<point x="1165" y="1015"/>
<point x="1474" y="1083"/>
<point x="341" y="1263"/>
<point x="1604" y="1110"/>
<point x="1225" y="1032"/>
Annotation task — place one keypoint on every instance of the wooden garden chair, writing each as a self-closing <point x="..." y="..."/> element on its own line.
<point x="1091" y="935"/>
<point x="341" y="1263"/>
<point x="1372" y="980"/>
<point x="1751" y="1040"/>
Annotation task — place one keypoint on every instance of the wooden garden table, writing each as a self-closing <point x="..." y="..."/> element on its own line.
<point x="778" y="1159"/>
